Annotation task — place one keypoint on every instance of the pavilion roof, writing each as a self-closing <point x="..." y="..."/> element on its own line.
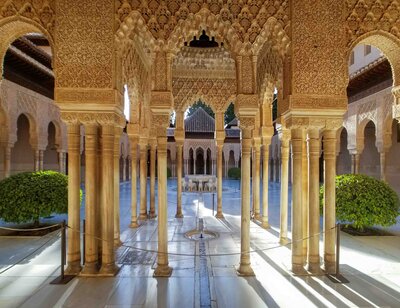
<point x="200" y="122"/>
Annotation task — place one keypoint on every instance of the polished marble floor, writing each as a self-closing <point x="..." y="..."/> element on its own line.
<point x="204" y="274"/>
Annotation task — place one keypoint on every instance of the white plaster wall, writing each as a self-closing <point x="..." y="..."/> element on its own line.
<point x="361" y="60"/>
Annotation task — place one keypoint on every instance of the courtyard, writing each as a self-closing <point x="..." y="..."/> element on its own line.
<point x="204" y="272"/>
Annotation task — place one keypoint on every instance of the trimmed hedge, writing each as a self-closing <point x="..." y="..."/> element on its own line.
<point x="234" y="173"/>
<point x="27" y="196"/>
<point x="364" y="201"/>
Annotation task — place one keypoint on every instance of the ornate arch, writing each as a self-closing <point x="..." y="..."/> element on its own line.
<point x="33" y="128"/>
<point x="388" y="44"/>
<point x="14" y="27"/>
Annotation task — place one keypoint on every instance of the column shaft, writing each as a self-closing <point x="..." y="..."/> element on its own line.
<point x="283" y="235"/>
<point x="314" y="148"/>
<point x="245" y="267"/>
<point x="219" y="181"/>
<point x="179" y="152"/>
<point x="91" y="202"/>
<point x="265" y="178"/>
<point x="117" y="148"/>
<point x="304" y="197"/>
<point x="357" y="163"/>
<point x="134" y="218"/>
<point x="41" y="156"/>
<point x="7" y="161"/>
<point x="153" y="181"/>
<point x="382" y="157"/>
<point x="256" y="182"/>
<point x="108" y="266"/>
<point x="297" y="223"/>
<point x="74" y="245"/>
<point x="143" y="182"/>
<point x="329" y="200"/>
<point x="162" y="259"/>
<point x="37" y="160"/>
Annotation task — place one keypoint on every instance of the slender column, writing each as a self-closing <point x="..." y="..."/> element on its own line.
<point x="41" y="156"/>
<point x="153" y="180"/>
<point x="179" y="152"/>
<point x="60" y="162"/>
<point x="108" y="266"/>
<point x="304" y="198"/>
<point x="297" y="232"/>
<point x="162" y="269"/>
<point x="37" y="160"/>
<point x="124" y="169"/>
<point x="91" y="202"/>
<point x="220" y="147"/>
<point x="256" y="181"/>
<point x="7" y="161"/>
<point x="329" y="200"/>
<point x="382" y="156"/>
<point x="143" y="181"/>
<point x="283" y="235"/>
<point x="314" y="148"/>
<point x="134" y="218"/>
<point x="194" y="163"/>
<point x="265" y="179"/>
<point x="74" y="245"/>
<point x="118" y="132"/>
<point x="205" y="166"/>
<point x="245" y="266"/>
<point x="357" y="163"/>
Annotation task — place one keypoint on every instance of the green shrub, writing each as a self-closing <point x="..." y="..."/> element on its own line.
<point x="27" y="196"/>
<point x="169" y="173"/>
<point x="364" y="201"/>
<point x="234" y="173"/>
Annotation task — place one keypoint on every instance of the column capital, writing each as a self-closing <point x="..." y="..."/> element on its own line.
<point x="396" y="108"/>
<point x="161" y="123"/>
<point x="179" y="135"/>
<point x="220" y="137"/>
<point x="133" y="129"/>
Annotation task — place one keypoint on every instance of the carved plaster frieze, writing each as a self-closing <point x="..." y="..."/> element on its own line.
<point x="88" y="117"/>
<point x="90" y="96"/>
<point x="318" y="102"/>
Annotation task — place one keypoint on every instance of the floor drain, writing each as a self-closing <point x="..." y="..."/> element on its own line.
<point x="197" y="235"/>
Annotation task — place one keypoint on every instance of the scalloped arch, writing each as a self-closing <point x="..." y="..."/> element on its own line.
<point x="17" y="26"/>
<point x="388" y="44"/>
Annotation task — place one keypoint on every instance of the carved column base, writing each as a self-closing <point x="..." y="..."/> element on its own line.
<point x="299" y="270"/>
<point x="162" y="271"/>
<point x="245" y="270"/>
<point x="179" y="215"/>
<point x="117" y="242"/>
<point x="284" y="240"/>
<point x="134" y="224"/>
<point x="108" y="270"/>
<point x="330" y="267"/>
<point x="315" y="269"/>
<point x="264" y="223"/>
<point x="220" y="216"/>
<point x="90" y="269"/>
<point x="152" y="215"/>
<point x="142" y="217"/>
<point x="73" y="268"/>
<point x="257" y="216"/>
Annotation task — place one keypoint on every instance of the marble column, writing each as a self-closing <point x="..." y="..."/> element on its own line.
<point x="283" y="234"/>
<point x="297" y="222"/>
<point x="60" y="162"/>
<point x="7" y="161"/>
<point x="245" y="265"/>
<point x="314" y="149"/>
<point x="134" y="218"/>
<point x="355" y="163"/>
<point x="179" y="153"/>
<point x="117" y="149"/>
<point x="108" y="266"/>
<point x="220" y="147"/>
<point x="382" y="157"/>
<point x="304" y="198"/>
<point x="143" y="181"/>
<point x="153" y="148"/>
<point x="329" y="200"/>
<point x="256" y="181"/>
<point x="123" y="169"/>
<point x="74" y="177"/>
<point x="162" y="270"/>
<point x="194" y="163"/>
<point x="36" y="162"/>
<point x="265" y="179"/>
<point x="91" y="202"/>
<point x="41" y="157"/>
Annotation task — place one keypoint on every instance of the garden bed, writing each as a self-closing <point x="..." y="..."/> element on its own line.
<point x="365" y="232"/>
<point x="28" y="230"/>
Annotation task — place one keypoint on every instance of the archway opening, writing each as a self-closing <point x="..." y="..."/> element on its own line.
<point x="369" y="159"/>
<point x="344" y="158"/>
<point x="22" y="154"/>
<point x="392" y="158"/>
<point x="199" y="161"/>
<point x="50" y="157"/>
